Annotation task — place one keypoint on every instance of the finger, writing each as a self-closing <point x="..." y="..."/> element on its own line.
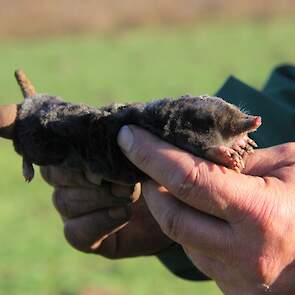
<point x="76" y="201"/>
<point x="267" y="161"/>
<point x="58" y="176"/>
<point x="201" y="184"/>
<point x="187" y="226"/>
<point x="87" y="232"/>
<point x="141" y="236"/>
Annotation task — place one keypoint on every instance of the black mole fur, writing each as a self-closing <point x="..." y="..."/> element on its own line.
<point x="49" y="131"/>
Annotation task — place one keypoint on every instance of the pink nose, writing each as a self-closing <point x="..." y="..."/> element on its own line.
<point x="257" y="122"/>
<point x="249" y="124"/>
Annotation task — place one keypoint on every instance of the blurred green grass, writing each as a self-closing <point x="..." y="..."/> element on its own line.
<point x="132" y="66"/>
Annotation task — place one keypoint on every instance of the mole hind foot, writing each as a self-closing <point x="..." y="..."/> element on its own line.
<point x="28" y="171"/>
<point x="225" y="156"/>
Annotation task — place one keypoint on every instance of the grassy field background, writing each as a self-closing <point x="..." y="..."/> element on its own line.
<point x="138" y="65"/>
<point x="55" y="17"/>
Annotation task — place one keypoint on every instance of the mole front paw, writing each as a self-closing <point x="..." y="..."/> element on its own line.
<point x="243" y="145"/>
<point x="226" y="156"/>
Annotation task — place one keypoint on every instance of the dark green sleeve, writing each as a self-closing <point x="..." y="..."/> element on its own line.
<point x="276" y="105"/>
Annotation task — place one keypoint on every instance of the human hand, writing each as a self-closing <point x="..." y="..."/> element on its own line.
<point x="238" y="229"/>
<point x="111" y="220"/>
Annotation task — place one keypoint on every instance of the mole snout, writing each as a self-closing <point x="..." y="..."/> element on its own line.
<point x="257" y="122"/>
<point x="251" y="123"/>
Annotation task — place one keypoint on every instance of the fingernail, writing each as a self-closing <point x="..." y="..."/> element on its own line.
<point x="118" y="213"/>
<point x="125" y="139"/>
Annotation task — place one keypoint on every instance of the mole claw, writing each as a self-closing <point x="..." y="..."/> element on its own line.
<point x="28" y="178"/>
<point x="237" y="157"/>
<point x="252" y="142"/>
<point x="237" y="148"/>
<point x="241" y="152"/>
<point x="228" y="156"/>
<point x="249" y="149"/>
<point x="237" y="169"/>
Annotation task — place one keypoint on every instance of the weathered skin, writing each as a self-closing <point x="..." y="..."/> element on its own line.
<point x="48" y="131"/>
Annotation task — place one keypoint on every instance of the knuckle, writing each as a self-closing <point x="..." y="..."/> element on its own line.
<point x="189" y="184"/>
<point x="55" y="176"/>
<point x="110" y="248"/>
<point x="265" y="267"/>
<point x="288" y="149"/>
<point x="119" y="190"/>
<point x="87" y="233"/>
<point x="142" y="157"/>
<point x="59" y="202"/>
<point x="185" y="185"/>
<point x="75" y="237"/>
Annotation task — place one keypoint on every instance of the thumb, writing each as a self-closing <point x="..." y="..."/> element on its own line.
<point x="264" y="161"/>
<point x="199" y="183"/>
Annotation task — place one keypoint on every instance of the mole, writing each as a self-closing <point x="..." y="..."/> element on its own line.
<point x="45" y="130"/>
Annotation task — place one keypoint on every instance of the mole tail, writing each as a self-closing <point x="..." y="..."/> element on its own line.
<point x="25" y="84"/>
